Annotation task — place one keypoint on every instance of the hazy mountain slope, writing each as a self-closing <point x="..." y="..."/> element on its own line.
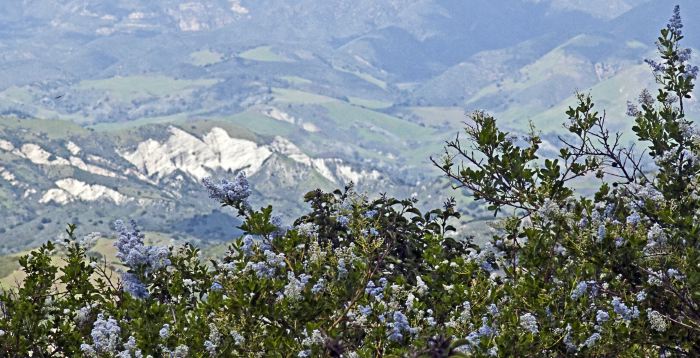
<point x="542" y="79"/>
<point x="138" y="100"/>
<point x="642" y="22"/>
<point x="432" y="34"/>
<point x="607" y="9"/>
<point x="48" y="181"/>
<point x="152" y="172"/>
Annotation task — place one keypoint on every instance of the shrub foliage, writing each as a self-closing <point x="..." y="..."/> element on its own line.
<point x="614" y="274"/>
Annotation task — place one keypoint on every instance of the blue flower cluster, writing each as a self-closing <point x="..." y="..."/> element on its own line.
<point x="601" y="316"/>
<point x="641" y="296"/>
<point x="211" y="345"/>
<point x="234" y="192"/>
<point x="280" y="228"/>
<point x="675" y="24"/>
<point x="692" y="71"/>
<point x="318" y="286"/>
<point x="376" y="291"/>
<point x="592" y="340"/>
<point x="267" y="268"/>
<point x="529" y="323"/>
<point x="645" y="98"/>
<point x="493" y="310"/>
<point x="632" y="110"/>
<point x="580" y="290"/>
<point x="364" y="310"/>
<point x="633" y="219"/>
<point x="105" y="336"/>
<point x="249" y="245"/>
<point x="684" y="55"/>
<point x="656" y="320"/>
<point x="583" y="222"/>
<point x="296" y="285"/>
<point x="343" y="221"/>
<point x="601" y="232"/>
<point x="216" y="286"/>
<point x="181" y="351"/>
<point x="621" y="309"/>
<point x="133" y="285"/>
<point x="619" y="241"/>
<point x="134" y="254"/>
<point x="656" y="67"/>
<point x="138" y="257"/>
<point x="164" y="332"/>
<point x="484" y="331"/>
<point x="399" y="327"/>
<point x="568" y="341"/>
<point x="656" y="236"/>
<point x="342" y="270"/>
<point x="674" y="274"/>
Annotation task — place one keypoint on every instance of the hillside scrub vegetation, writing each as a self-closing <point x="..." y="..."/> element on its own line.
<point x="615" y="274"/>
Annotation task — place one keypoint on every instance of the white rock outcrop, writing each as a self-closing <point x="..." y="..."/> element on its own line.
<point x="196" y="157"/>
<point x="281" y="116"/>
<point x="38" y="155"/>
<point x="80" y="164"/>
<point x="6" y="146"/>
<point x="310" y="127"/>
<point x="332" y="169"/>
<point x="73" y="148"/>
<point x="348" y="174"/>
<point x="275" y="113"/>
<point x="238" y="8"/>
<point x="8" y="176"/>
<point x="285" y="147"/>
<point x="70" y="189"/>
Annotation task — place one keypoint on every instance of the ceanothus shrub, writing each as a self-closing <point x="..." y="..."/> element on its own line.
<point x="614" y="274"/>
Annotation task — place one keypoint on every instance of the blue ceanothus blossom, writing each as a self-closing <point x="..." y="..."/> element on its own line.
<point x="216" y="286"/>
<point x="133" y="285"/>
<point x="580" y="290"/>
<point x="132" y="251"/>
<point x="106" y="340"/>
<point x="621" y="309"/>
<point x="675" y="26"/>
<point x="591" y="341"/>
<point x="529" y="323"/>
<point x="164" y="332"/>
<point x="601" y="316"/>
<point x="376" y="291"/>
<point x="141" y="259"/>
<point x="342" y="270"/>
<point x="343" y="221"/>
<point x="249" y="244"/>
<point x="105" y="336"/>
<point x="484" y="331"/>
<point x="267" y="268"/>
<point x="399" y="327"/>
<point x="229" y="192"/>
<point x="318" y="286"/>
